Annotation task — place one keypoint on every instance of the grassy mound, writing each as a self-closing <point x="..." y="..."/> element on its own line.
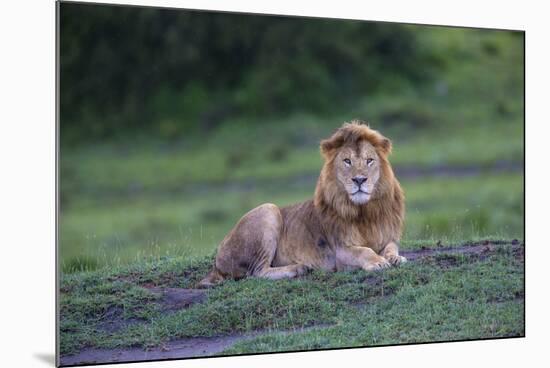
<point x="439" y="296"/>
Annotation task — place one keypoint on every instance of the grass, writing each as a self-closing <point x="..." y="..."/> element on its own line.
<point x="447" y="297"/>
<point x="121" y="202"/>
<point x="96" y="234"/>
<point x="109" y="171"/>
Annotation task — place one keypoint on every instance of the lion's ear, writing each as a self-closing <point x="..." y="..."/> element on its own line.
<point x="385" y="145"/>
<point x="331" y="144"/>
<point x="326" y="146"/>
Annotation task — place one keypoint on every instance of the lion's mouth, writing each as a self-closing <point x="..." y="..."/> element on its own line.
<point x="360" y="197"/>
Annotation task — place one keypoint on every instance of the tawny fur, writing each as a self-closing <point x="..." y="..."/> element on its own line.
<point x="330" y="232"/>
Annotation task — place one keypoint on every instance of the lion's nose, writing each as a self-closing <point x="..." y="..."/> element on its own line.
<point x="359" y="180"/>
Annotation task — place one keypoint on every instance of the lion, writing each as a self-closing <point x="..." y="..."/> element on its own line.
<point x="354" y="221"/>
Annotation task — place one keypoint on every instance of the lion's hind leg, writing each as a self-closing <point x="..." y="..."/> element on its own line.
<point x="250" y="247"/>
<point x="263" y="227"/>
<point x="212" y="278"/>
<point x="267" y="247"/>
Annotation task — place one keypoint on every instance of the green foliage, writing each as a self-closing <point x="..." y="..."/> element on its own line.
<point x="168" y="72"/>
<point x="179" y="224"/>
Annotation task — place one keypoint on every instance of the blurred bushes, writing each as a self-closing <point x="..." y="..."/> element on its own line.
<point x="166" y="72"/>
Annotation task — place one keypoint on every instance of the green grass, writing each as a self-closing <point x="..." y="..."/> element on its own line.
<point x="121" y="202"/>
<point x="464" y="208"/>
<point x="446" y="209"/>
<point x="106" y="170"/>
<point x="437" y="298"/>
<point x="130" y="198"/>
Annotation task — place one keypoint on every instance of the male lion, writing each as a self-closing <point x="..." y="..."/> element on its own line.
<point x="354" y="221"/>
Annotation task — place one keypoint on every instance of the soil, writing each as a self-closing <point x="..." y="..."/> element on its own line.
<point x="176" y="349"/>
<point x="481" y="249"/>
<point x="173" y="299"/>
<point x="183" y="348"/>
<point x="112" y="320"/>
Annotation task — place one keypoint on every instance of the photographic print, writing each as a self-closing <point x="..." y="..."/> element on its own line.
<point x="233" y="183"/>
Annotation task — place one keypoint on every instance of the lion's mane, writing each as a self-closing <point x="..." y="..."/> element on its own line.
<point x="381" y="218"/>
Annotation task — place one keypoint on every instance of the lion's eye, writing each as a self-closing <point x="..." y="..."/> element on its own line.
<point x="369" y="161"/>
<point x="347" y="161"/>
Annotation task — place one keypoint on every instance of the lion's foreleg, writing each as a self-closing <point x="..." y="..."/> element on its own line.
<point x="359" y="257"/>
<point x="284" y="272"/>
<point x="391" y="253"/>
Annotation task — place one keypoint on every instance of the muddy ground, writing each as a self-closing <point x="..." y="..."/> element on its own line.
<point x="173" y="299"/>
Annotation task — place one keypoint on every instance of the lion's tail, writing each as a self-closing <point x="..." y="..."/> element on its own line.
<point x="212" y="278"/>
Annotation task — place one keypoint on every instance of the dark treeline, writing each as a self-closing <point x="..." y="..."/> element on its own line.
<point x="165" y="71"/>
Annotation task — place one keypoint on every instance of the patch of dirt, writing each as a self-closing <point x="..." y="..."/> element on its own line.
<point x="445" y="260"/>
<point x="380" y="288"/>
<point x="112" y="320"/>
<point x="173" y="299"/>
<point x="177" y="349"/>
<point x="481" y="250"/>
<point x="170" y="300"/>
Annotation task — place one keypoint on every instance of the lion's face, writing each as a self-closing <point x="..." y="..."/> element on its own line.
<point x="357" y="170"/>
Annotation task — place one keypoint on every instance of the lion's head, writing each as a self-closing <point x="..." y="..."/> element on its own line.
<point x="356" y="169"/>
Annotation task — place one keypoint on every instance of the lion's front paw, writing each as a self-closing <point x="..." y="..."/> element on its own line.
<point x="379" y="264"/>
<point x="396" y="260"/>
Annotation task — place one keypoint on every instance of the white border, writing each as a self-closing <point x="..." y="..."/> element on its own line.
<point x="27" y="184"/>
